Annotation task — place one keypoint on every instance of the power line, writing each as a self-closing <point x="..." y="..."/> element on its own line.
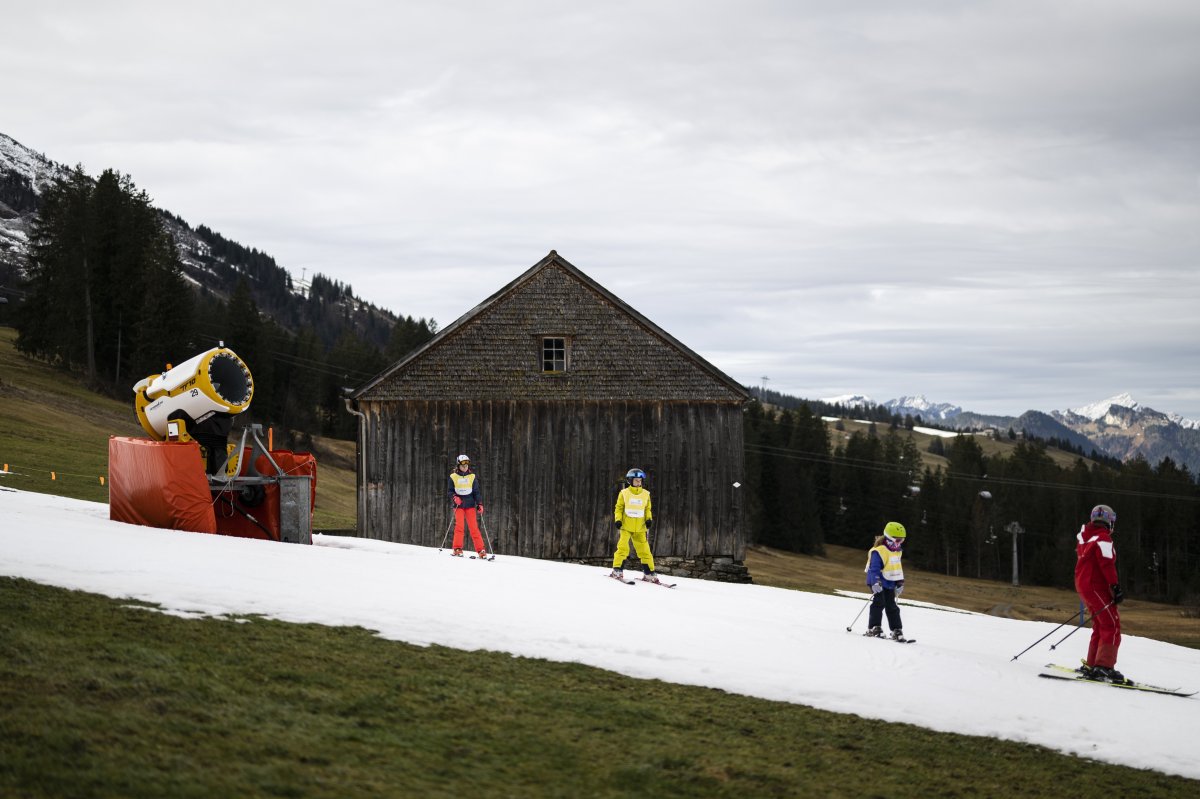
<point x="857" y="463"/>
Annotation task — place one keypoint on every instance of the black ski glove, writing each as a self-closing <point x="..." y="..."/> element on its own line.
<point x="648" y="523"/>
<point x="618" y="523"/>
<point x="1118" y="594"/>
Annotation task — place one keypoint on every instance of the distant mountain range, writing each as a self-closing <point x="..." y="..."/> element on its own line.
<point x="1120" y="426"/>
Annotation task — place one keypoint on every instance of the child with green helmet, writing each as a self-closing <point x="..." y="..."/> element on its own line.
<point x="885" y="578"/>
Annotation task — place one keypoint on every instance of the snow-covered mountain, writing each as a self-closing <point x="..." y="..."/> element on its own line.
<point x="915" y="406"/>
<point x="850" y="400"/>
<point x="1124" y="428"/>
<point x="24" y="175"/>
<point x="1098" y="410"/>
<point x="919" y="406"/>
<point x="1114" y="409"/>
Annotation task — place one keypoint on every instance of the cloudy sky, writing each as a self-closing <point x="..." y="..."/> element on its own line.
<point x="995" y="204"/>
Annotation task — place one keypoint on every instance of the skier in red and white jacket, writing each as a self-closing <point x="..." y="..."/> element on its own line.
<point x="1097" y="585"/>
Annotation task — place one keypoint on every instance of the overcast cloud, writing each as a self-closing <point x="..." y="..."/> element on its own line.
<point x="995" y="204"/>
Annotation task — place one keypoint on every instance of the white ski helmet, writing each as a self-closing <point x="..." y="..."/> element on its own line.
<point x="1102" y="514"/>
<point x="463" y="459"/>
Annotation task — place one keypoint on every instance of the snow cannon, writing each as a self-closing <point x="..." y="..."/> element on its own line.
<point x="196" y="401"/>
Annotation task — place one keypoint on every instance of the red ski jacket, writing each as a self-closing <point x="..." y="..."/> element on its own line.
<point x="1096" y="567"/>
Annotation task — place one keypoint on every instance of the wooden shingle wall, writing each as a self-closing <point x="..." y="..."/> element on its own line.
<point x="496" y="356"/>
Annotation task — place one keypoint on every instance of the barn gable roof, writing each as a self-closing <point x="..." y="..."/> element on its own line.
<point x="492" y="351"/>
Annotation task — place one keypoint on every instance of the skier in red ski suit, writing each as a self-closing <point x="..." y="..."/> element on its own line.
<point x="1096" y="583"/>
<point x="467" y="502"/>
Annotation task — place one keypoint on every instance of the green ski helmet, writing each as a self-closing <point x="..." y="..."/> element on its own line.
<point x="894" y="531"/>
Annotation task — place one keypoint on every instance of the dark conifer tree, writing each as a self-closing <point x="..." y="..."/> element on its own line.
<point x="105" y="290"/>
<point x="50" y="322"/>
<point x="162" y="325"/>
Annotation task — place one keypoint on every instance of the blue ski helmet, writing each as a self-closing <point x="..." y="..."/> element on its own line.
<point x="632" y="473"/>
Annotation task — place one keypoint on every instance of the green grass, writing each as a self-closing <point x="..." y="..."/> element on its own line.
<point x="52" y="423"/>
<point x="99" y="698"/>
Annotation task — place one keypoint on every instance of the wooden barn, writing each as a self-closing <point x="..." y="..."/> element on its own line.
<point x="555" y="388"/>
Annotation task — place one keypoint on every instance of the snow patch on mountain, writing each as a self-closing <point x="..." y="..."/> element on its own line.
<point x="1098" y="410"/>
<point x="850" y="400"/>
<point x="34" y="167"/>
<point x="1186" y="424"/>
<point x="918" y="405"/>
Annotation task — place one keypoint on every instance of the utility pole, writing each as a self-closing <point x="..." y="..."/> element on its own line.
<point x="1016" y="529"/>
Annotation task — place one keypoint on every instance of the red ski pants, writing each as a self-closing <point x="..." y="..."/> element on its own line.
<point x="469" y="515"/>
<point x="1106" y="628"/>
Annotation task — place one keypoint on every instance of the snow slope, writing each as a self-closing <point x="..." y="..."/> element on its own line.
<point x="782" y="645"/>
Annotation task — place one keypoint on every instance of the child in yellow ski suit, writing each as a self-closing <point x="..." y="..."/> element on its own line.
<point x="633" y="518"/>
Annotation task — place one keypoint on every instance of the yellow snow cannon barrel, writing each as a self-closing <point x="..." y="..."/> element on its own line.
<point x="212" y="385"/>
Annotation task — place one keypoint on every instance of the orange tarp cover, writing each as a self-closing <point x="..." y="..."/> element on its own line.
<point x="291" y="463"/>
<point x="257" y="515"/>
<point x="159" y="484"/>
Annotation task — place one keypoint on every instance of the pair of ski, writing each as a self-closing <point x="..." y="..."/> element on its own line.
<point x="889" y="638"/>
<point x="1054" y="671"/>
<point x="474" y="557"/>
<point x="632" y="582"/>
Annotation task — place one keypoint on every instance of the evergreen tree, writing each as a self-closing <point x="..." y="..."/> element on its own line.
<point x="49" y="322"/>
<point x="104" y="282"/>
<point x="350" y="362"/>
<point x="243" y="325"/>
<point x="809" y="440"/>
<point x="162" y="325"/>
<point x="407" y="334"/>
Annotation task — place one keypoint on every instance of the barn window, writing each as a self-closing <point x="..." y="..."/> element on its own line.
<point x="554" y="354"/>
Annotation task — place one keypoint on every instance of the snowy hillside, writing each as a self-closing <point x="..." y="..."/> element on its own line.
<point x="24" y="174"/>
<point x="33" y="168"/>
<point x="782" y="645"/>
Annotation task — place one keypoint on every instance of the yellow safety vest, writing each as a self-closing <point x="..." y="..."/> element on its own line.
<point x="464" y="484"/>
<point x="891" y="563"/>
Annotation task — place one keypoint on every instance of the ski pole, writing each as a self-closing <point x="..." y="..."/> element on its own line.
<point x="486" y="537"/>
<point x="860" y="611"/>
<point x="447" y="535"/>
<point x="1047" y="635"/>
<point x="1076" y="629"/>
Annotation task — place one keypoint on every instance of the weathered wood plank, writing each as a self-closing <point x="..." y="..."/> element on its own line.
<point x="550" y="473"/>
